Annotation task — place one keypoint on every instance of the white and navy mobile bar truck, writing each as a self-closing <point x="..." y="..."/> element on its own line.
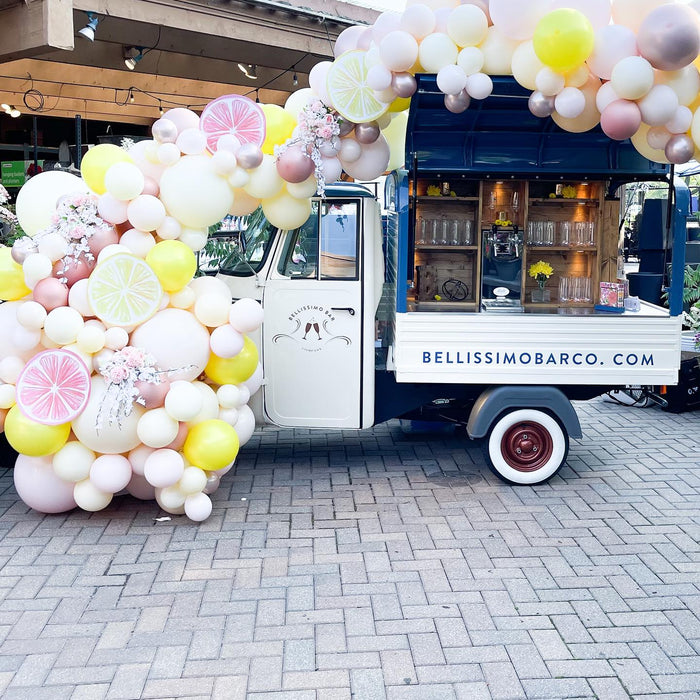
<point x="432" y="313"/>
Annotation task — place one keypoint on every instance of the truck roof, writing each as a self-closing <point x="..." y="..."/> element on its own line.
<point x="500" y="136"/>
<point x="348" y="189"/>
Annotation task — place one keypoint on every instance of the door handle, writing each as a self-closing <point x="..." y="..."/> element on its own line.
<point x="350" y="310"/>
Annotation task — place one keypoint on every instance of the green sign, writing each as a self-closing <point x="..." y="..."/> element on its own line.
<point x="14" y="172"/>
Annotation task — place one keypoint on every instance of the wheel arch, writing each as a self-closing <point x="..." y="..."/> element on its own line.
<point x="496" y="400"/>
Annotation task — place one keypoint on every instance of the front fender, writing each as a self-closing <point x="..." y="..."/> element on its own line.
<point x="497" y="399"/>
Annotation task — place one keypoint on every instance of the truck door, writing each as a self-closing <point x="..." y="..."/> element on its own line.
<point x="312" y="334"/>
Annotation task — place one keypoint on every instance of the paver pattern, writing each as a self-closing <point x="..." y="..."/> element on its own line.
<point x="371" y="565"/>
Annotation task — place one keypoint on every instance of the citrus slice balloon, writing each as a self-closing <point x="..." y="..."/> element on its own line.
<point x="123" y="290"/>
<point x="54" y="387"/>
<point x="233" y="115"/>
<point x="347" y="87"/>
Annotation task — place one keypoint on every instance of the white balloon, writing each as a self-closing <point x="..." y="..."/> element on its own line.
<point x="317" y="80"/>
<point x="605" y="96"/>
<point x="31" y="315"/>
<point x="163" y="468"/>
<point x="245" y="426"/>
<point x="451" y="80"/>
<point x="570" y="103"/>
<point x="8" y="396"/>
<point x="146" y="212"/>
<point x="418" y="20"/>
<point x="597" y="11"/>
<point x="228" y="395"/>
<point x="198" y="507"/>
<point x="226" y="341"/>
<point x="53" y="245"/>
<point x="210" y="404"/>
<point x="549" y="82"/>
<point x="681" y="121"/>
<point x="479" y="86"/>
<point x="36" y="267"/>
<point x="138" y="242"/>
<point x="659" y="105"/>
<point x="246" y="315"/>
<point x="192" y="142"/>
<point x="517" y="20"/>
<point x="612" y="44"/>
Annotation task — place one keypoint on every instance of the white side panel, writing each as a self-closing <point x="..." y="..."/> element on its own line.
<point x="537" y="349"/>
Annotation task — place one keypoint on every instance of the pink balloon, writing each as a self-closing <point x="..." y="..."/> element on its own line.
<point x="226" y="341"/>
<point x="139" y="488"/>
<point x="294" y="165"/>
<point x="163" y="468"/>
<point x="621" y="119"/>
<point x="111" y="209"/>
<point x="597" y="11"/>
<point x="40" y="488"/>
<point x="182" y="118"/>
<point x="51" y="293"/>
<point x="372" y="163"/>
<point x="153" y="394"/>
<point x="332" y="169"/>
<point x="612" y="44"/>
<point x="150" y="187"/>
<point x="179" y="441"/>
<point x="73" y="271"/>
<point x="669" y="38"/>
<point x="249" y="156"/>
<point x="347" y="39"/>
<point x="110" y="473"/>
<point x="101" y="239"/>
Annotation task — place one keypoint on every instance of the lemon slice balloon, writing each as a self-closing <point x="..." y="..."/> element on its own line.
<point x="123" y="290"/>
<point x="347" y="87"/>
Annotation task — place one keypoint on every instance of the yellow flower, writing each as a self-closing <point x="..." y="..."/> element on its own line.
<point x="438" y="297"/>
<point x="568" y="192"/>
<point x="540" y="269"/>
<point x="552" y="195"/>
<point x="433" y="191"/>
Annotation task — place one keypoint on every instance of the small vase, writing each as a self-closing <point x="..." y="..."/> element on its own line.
<point x="540" y="295"/>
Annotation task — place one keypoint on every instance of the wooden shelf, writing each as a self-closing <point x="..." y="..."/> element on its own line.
<point x="422" y="246"/>
<point x="561" y="248"/>
<point x="438" y="198"/>
<point x="562" y="200"/>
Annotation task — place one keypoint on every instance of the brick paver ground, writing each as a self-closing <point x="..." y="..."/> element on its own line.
<point x="374" y="565"/>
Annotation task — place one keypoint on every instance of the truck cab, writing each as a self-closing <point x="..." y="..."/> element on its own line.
<point x="369" y="317"/>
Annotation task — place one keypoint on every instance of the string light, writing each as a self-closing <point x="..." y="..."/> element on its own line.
<point x="295" y="80"/>
<point x="160" y="108"/>
<point x="257" y="96"/>
<point x="131" y="95"/>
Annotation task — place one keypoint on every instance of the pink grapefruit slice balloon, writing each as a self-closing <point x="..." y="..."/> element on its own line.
<point x="233" y="115"/>
<point x="54" y="387"/>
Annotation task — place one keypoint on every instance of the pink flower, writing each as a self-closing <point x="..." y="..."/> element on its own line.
<point x="325" y="132"/>
<point x="118" y="374"/>
<point x="132" y="356"/>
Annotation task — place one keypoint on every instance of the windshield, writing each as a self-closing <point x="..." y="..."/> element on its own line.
<point x="240" y="246"/>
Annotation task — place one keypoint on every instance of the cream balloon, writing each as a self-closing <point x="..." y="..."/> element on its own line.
<point x="88" y="497"/>
<point x="210" y="404"/>
<point x="631" y="13"/>
<point x="525" y="65"/>
<point x="102" y="435"/>
<point x="265" y="182"/>
<point x="156" y="428"/>
<point x="194" y="194"/>
<point x="73" y="461"/>
<point x="498" y="53"/>
<point x="685" y="83"/>
<point x="597" y="11"/>
<point x="298" y="100"/>
<point x="183" y="401"/>
<point x="467" y="25"/>
<point x="124" y="181"/>
<point x="632" y="77"/>
<point x="36" y="200"/>
<point x="286" y="212"/>
<point x="437" y="51"/>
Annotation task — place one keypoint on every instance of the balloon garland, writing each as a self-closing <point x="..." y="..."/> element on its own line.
<point x="121" y="370"/>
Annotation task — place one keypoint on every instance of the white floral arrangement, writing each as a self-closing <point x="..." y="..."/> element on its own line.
<point x="317" y="127"/>
<point x="121" y="373"/>
<point x="5" y="213"/>
<point x="76" y="220"/>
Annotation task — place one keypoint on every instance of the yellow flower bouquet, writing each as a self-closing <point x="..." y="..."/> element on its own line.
<point x="541" y="271"/>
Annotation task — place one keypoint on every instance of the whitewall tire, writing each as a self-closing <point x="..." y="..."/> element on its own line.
<point x="527" y="446"/>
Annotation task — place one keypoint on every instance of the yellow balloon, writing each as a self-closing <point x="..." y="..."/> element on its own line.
<point x="97" y="161"/>
<point x="400" y="104"/>
<point x="211" y="445"/>
<point x="279" y="125"/>
<point x="563" y="39"/>
<point x="395" y="135"/>
<point x="12" y="284"/>
<point x="236" y="369"/>
<point x="174" y="264"/>
<point x="31" y="438"/>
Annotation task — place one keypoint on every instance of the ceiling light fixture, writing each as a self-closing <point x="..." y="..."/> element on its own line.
<point x="88" y="31"/>
<point x="160" y="108"/>
<point x="249" y="70"/>
<point x="132" y="55"/>
<point x="295" y="79"/>
<point x="131" y="95"/>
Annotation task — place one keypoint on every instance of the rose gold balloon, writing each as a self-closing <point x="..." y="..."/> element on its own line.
<point x="73" y="271"/>
<point x="403" y="84"/>
<point x="294" y="165"/>
<point x="345" y="127"/>
<point x="669" y="38"/>
<point x="180" y="438"/>
<point x="367" y="133"/>
<point x="21" y="248"/>
<point x="101" y="239"/>
<point x="249" y="156"/>
<point x="51" y="293"/>
<point x="153" y="394"/>
<point x="621" y="119"/>
<point x="457" y="103"/>
<point x="679" y="149"/>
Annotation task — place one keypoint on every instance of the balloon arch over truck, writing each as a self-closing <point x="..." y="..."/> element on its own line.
<point x="121" y="370"/>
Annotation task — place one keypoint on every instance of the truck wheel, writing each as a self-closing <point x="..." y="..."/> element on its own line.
<point x="527" y="447"/>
